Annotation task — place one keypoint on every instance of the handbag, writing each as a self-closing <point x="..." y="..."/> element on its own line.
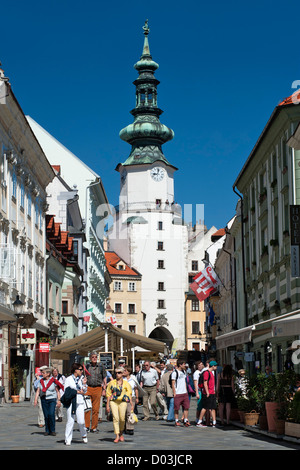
<point x="132" y="418"/>
<point x="87" y="402"/>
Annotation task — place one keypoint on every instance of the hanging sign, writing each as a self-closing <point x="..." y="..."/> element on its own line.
<point x="28" y="336"/>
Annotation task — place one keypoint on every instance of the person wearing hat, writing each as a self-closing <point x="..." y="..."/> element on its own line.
<point x="208" y="395"/>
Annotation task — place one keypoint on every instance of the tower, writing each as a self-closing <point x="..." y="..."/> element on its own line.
<point x="148" y="232"/>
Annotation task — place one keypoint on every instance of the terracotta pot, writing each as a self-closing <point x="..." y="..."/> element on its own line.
<point x="280" y="425"/>
<point x="15" y="398"/>
<point x="263" y="422"/>
<point x="271" y="408"/>
<point x="234" y="415"/>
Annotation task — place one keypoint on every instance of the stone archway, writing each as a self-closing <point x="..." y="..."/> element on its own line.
<point x="162" y="334"/>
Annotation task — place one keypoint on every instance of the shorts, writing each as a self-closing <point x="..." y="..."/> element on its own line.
<point x="209" y="403"/>
<point x="182" y="399"/>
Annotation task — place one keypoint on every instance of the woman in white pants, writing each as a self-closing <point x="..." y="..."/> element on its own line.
<point x="76" y="382"/>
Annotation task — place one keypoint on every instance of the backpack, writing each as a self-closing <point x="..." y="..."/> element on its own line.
<point x="170" y="378"/>
<point x="201" y="379"/>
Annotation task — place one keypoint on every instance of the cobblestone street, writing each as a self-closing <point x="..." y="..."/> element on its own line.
<point x="19" y="431"/>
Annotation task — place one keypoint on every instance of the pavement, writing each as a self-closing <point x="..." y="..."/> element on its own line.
<point x="19" y="431"/>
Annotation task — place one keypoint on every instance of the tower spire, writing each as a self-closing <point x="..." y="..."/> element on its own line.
<point x="146" y="48"/>
<point x="146" y="135"/>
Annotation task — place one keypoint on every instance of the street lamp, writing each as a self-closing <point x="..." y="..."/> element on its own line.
<point x="63" y="326"/>
<point x="18" y="306"/>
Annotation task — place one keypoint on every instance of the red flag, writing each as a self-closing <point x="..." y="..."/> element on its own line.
<point x="204" y="283"/>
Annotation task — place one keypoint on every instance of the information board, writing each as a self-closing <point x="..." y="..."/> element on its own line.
<point x="107" y="359"/>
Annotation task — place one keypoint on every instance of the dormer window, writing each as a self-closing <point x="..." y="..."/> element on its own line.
<point x="121" y="267"/>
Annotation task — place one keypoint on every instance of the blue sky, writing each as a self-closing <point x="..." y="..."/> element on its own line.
<point x="224" y="66"/>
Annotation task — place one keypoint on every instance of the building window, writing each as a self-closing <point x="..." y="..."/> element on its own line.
<point x="132" y="286"/>
<point x="161" y="264"/>
<point x="161" y="303"/>
<point x="161" y="286"/>
<point x="65" y="309"/>
<point x="14" y="185"/>
<point x="29" y="204"/>
<point x="118" y="308"/>
<point x="117" y="285"/>
<point x="195" y="327"/>
<point x="75" y="247"/>
<point x="132" y="328"/>
<point x="160" y="246"/>
<point x="22" y="196"/>
<point x="159" y="226"/>
<point x="194" y="265"/>
<point x="195" y="305"/>
<point x="131" y="308"/>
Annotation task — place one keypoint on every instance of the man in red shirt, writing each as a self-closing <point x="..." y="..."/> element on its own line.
<point x="208" y="395"/>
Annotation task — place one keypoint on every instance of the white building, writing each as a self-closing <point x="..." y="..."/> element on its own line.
<point x="91" y="196"/>
<point x="25" y="173"/>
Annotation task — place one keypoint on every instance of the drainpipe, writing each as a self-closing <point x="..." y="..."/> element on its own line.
<point x="243" y="254"/>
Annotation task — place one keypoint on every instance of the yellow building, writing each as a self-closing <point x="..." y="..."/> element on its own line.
<point x="124" y="302"/>
<point x="195" y="323"/>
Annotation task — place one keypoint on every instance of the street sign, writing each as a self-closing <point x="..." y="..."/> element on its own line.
<point x="295" y="240"/>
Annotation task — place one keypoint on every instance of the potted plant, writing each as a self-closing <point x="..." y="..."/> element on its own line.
<point x="278" y="395"/>
<point x="292" y="424"/>
<point x="15" y="382"/>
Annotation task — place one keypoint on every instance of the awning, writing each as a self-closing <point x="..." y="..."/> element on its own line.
<point x="289" y="326"/>
<point x="233" y="338"/>
<point x="6" y="314"/>
<point x="95" y="339"/>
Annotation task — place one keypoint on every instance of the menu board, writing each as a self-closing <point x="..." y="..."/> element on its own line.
<point x="107" y="359"/>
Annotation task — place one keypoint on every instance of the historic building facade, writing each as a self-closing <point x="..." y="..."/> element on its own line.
<point x="25" y="174"/>
<point x="124" y="304"/>
<point x="91" y="198"/>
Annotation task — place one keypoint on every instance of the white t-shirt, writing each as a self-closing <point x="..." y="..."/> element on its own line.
<point x="180" y="383"/>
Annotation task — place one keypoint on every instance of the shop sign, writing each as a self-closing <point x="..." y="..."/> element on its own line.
<point x="295" y="240"/>
<point x="44" y="347"/>
<point x="28" y="336"/>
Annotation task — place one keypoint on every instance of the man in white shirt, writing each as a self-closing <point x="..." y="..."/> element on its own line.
<point x="150" y="384"/>
<point x="181" y="396"/>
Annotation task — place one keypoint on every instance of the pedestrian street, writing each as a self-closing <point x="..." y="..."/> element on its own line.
<point x="19" y="431"/>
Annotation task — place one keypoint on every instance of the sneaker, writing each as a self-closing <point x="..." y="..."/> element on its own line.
<point x="85" y="439"/>
<point x="201" y="425"/>
<point x="186" y="423"/>
<point x="67" y="443"/>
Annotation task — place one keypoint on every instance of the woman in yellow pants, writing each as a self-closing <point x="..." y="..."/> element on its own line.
<point x="118" y="394"/>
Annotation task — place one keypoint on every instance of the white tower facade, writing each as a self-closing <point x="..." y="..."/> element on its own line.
<point x="148" y="231"/>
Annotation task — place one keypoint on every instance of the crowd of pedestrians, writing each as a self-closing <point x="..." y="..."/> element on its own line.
<point x="164" y="388"/>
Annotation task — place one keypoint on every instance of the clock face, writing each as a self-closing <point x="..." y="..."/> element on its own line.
<point x="157" y="173"/>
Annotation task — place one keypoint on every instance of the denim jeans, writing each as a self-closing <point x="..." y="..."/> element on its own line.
<point x="49" y="413"/>
<point x="170" y="405"/>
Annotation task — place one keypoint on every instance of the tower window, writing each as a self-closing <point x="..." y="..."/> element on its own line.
<point x="160" y="246"/>
<point x="161" y="264"/>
